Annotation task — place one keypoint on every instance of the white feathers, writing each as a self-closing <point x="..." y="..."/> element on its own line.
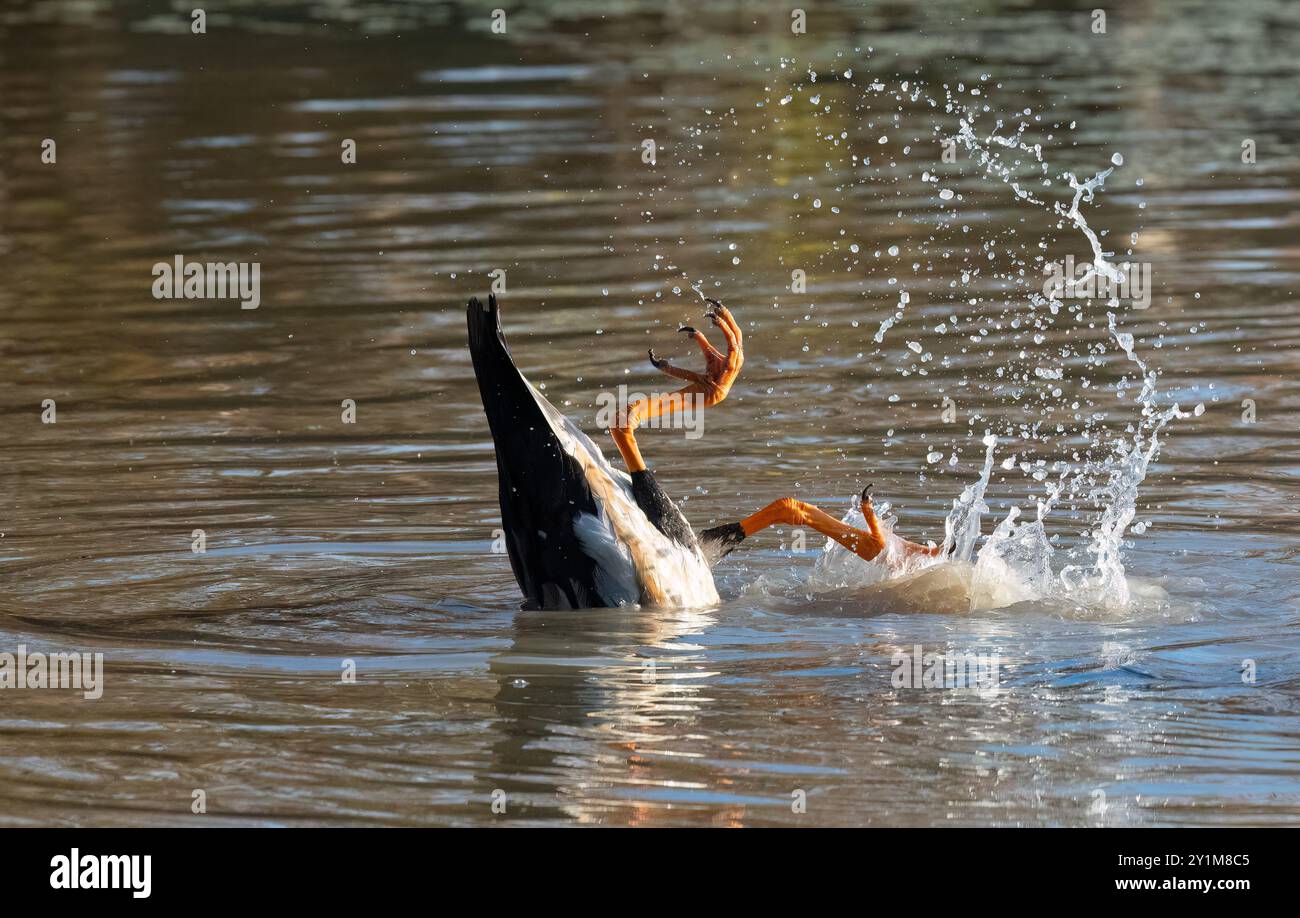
<point x="615" y="579"/>
<point x="633" y="558"/>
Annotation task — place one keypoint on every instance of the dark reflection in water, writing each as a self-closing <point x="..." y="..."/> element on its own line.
<point x="372" y="543"/>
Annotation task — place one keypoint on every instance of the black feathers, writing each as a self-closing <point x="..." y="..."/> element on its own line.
<point x="542" y="488"/>
<point x="720" y="541"/>
<point x="659" y="509"/>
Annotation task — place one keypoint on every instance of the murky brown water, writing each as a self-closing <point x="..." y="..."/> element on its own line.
<point x="372" y="542"/>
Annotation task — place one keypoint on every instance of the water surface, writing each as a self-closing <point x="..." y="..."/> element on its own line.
<point x="329" y="542"/>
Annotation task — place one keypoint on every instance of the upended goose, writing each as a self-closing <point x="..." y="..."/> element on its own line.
<point x="581" y="533"/>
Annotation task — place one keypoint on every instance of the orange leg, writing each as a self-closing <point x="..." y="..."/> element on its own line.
<point x="704" y="390"/>
<point x="865" y="543"/>
<point x="646" y="408"/>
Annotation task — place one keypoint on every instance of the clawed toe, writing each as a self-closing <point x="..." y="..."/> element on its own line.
<point x="866" y="495"/>
<point x="655" y="360"/>
<point x="686" y="330"/>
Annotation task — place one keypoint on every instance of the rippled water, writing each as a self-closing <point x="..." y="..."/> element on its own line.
<point x="372" y="542"/>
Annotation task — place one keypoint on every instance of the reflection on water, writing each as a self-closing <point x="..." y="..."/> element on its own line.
<point x="372" y="542"/>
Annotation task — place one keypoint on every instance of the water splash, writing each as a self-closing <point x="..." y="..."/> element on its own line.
<point x="1083" y="194"/>
<point x="962" y="527"/>
<point x="1124" y="471"/>
<point x="889" y="321"/>
<point x="1099" y="479"/>
<point x="1015" y="562"/>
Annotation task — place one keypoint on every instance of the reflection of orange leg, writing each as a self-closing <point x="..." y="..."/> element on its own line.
<point x="865" y="543"/>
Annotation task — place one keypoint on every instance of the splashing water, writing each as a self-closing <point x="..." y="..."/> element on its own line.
<point x="1015" y="562"/>
<point x="962" y="527"/>
<point x="1014" y="565"/>
<point x="889" y="321"/>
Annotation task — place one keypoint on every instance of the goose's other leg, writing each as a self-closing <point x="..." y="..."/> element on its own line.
<point x="865" y="543"/>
